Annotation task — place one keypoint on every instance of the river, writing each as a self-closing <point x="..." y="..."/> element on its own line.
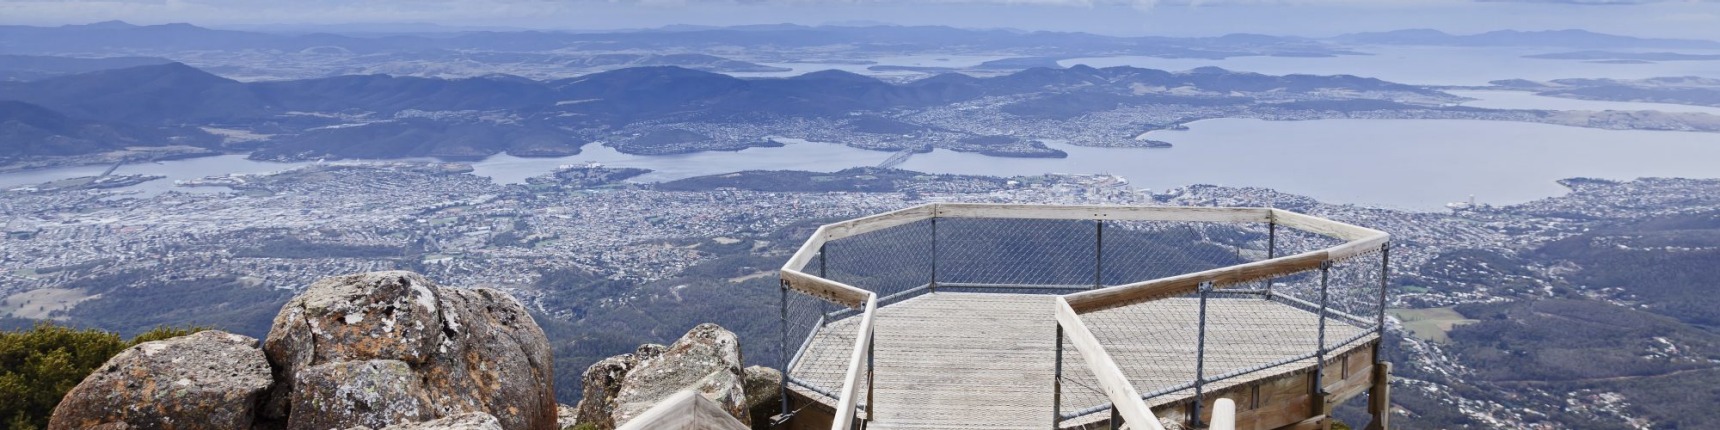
<point x="1404" y="164"/>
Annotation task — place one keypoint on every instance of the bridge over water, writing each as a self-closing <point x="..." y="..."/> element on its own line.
<point x="900" y="157"/>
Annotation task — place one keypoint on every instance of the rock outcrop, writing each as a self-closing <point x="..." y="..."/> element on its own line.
<point x="371" y="350"/>
<point x="463" y="351"/>
<point x="707" y="359"/>
<point x="470" y="421"/>
<point x="602" y="384"/>
<point x="371" y="393"/>
<point x="763" y="387"/>
<point x="394" y="351"/>
<point x="206" y="380"/>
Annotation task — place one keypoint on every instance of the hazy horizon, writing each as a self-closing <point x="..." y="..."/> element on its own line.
<point x="1310" y="18"/>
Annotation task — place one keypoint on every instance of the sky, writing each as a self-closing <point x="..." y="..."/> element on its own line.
<point x="1699" y="19"/>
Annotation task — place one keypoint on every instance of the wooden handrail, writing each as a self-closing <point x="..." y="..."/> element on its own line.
<point x="846" y="405"/>
<point x="1110" y="377"/>
<point x="1317" y="225"/>
<point x="1127" y="294"/>
<point x="831" y="291"/>
<point x="806" y="251"/>
<point x="877" y="222"/>
<point x="1097" y="212"/>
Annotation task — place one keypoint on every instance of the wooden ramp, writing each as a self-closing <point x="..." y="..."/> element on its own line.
<point x="986" y="361"/>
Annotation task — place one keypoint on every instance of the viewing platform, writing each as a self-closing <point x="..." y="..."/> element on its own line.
<point x="949" y="316"/>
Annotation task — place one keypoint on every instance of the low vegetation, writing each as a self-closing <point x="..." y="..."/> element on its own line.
<point x="40" y="364"/>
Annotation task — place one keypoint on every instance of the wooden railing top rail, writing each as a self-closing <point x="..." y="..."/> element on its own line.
<point x="831" y="291"/>
<point x="857" y="226"/>
<point x="847" y="405"/>
<point x="1110" y="378"/>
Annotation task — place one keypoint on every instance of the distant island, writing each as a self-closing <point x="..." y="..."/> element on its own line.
<point x="1625" y="56"/>
<point x="1688" y="90"/>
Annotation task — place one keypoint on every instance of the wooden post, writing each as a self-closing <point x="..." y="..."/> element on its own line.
<point x="1380" y="397"/>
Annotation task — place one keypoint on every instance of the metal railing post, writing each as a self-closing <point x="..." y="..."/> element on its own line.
<point x="823" y="250"/>
<point x="1098" y="253"/>
<point x="1320" y="348"/>
<point x="782" y="388"/>
<point x="871" y="375"/>
<point x="1385" y="265"/>
<point x="1057" y="384"/>
<point x="1271" y="251"/>
<point x="1200" y="358"/>
<point x="1380" y="322"/>
<point x="1116" y="418"/>
<point x="934" y="285"/>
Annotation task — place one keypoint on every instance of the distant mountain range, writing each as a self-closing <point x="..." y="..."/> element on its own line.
<point x="378" y="116"/>
<point x="547" y="55"/>
<point x="120" y="37"/>
<point x="1503" y="38"/>
<point x="33" y="67"/>
<point x="27" y="129"/>
<point x="115" y="36"/>
<point x="258" y="56"/>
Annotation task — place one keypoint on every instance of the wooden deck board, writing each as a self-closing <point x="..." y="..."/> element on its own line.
<point x="985" y="360"/>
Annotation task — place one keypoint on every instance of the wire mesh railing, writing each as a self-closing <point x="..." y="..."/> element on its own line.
<point x="1177" y="301"/>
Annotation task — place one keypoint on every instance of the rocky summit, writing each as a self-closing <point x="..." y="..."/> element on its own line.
<point x="707" y="360"/>
<point x="384" y="350"/>
<point x="439" y="351"/>
<point x="207" y="380"/>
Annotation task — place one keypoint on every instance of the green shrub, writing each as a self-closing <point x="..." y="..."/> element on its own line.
<point x="38" y="366"/>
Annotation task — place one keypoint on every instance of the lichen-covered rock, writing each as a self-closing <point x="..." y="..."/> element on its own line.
<point x="565" y="416"/>
<point x="367" y="316"/>
<point x="468" y="421"/>
<point x="602" y="383"/>
<point x="206" y="380"/>
<point x="471" y="350"/>
<point x="371" y="393"/>
<point x="493" y="359"/>
<point x="763" y="386"/>
<point x="707" y="359"/>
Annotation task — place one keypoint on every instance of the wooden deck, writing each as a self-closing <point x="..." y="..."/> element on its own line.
<point x="984" y="360"/>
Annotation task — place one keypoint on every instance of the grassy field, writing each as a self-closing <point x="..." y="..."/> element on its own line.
<point x="1431" y="324"/>
<point x="37" y="304"/>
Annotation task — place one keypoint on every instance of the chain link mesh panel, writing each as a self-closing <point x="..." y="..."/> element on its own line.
<point x="1152" y="342"/>
<point x="1288" y="241"/>
<point x="812" y="345"/>
<point x="1016" y="252"/>
<point x="1081" y="401"/>
<point x="1353" y="298"/>
<point x="887" y="262"/>
<point x="1135" y="251"/>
